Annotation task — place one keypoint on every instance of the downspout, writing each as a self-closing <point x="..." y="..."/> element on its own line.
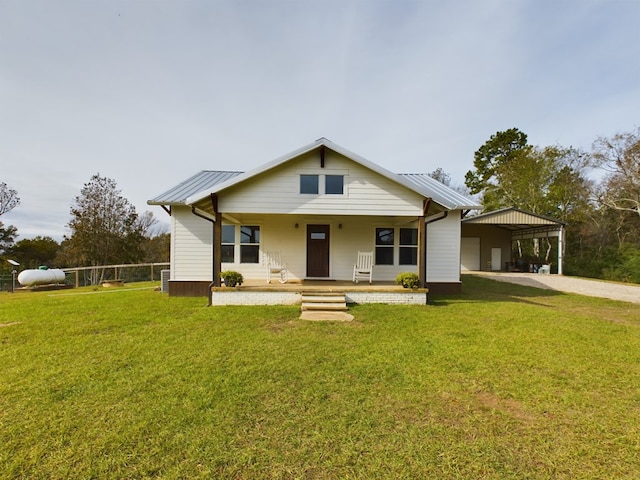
<point x="213" y="247"/>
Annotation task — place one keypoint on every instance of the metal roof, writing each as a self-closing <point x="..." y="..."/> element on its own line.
<point x="422" y="184"/>
<point x="439" y="192"/>
<point x="204" y="180"/>
<point x="514" y="219"/>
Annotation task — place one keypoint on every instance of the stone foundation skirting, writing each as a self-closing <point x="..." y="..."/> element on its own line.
<point x="404" y="298"/>
<point x="248" y="297"/>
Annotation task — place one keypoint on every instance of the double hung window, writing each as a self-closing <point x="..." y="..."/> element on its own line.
<point x="403" y="240"/>
<point x="384" y="246"/>
<point x="408" y="251"/>
<point x="322" y="184"/>
<point x="243" y="239"/>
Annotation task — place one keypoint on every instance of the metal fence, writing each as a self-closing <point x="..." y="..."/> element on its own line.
<point x="6" y="283"/>
<point x="140" y="272"/>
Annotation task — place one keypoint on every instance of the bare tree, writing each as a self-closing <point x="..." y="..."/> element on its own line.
<point x="8" y="198"/>
<point x="620" y="157"/>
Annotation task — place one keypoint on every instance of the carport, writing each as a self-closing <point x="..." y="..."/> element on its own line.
<point x="488" y="239"/>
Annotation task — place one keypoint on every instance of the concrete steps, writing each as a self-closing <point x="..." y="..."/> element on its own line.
<point x="324" y="302"/>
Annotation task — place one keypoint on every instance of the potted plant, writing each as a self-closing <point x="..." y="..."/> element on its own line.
<point x="231" y="278"/>
<point x="408" y="280"/>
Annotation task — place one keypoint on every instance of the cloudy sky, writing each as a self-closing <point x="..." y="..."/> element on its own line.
<point x="149" y="92"/>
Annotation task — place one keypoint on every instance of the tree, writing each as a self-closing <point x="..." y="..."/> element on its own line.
<point x="8" y="201"/>
<point x="620" y="157"/>
<point x="511" y="173"/>
<point x="8" y="198"/>
<point x="157" y="248"/>
<point x="440" y="175"/>
<point x="502" y="152"/>
<point x="31" y="253"/>
<point x="7" y="237"/>
<point x="105" y="226"/>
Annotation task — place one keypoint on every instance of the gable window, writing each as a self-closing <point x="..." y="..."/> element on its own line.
<point x="334" y="184"/>
<point x="309" y="184"/>
<point x="228" y="243"/>
<point x="384" y="246"/>
<point x="408" y="254"/>
<point x="249" y="244"/>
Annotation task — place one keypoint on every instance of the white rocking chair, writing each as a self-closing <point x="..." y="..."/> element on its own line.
<point x="275" y="267"/>
<point x="363" y="268"/>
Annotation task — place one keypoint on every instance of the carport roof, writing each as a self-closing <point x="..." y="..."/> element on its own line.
<point x="515" y="220"/>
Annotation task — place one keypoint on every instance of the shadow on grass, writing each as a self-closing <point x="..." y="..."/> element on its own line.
<point x="479" y="289"/>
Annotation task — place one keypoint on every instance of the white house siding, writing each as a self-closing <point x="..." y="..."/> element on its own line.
<point x="277" y="191"/>
<point x="443" y="249"/>
<point x="191" y="242"/>
<point x="279" y="233"/>
<point x="191" y="256"/>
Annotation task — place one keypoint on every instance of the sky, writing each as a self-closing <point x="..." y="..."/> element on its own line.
<point x="150" y="92"/>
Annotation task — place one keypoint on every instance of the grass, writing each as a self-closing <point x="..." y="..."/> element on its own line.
<point x="503" y="381"/>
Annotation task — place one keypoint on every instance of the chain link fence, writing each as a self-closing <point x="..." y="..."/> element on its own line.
<point x="141" y="272"/>
<point x="85" y="276"/>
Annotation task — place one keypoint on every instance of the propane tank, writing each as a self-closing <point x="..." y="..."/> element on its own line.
<point x="41" y="276"/>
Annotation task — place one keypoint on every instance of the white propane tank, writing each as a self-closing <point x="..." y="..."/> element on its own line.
<point x="29" y="278"/>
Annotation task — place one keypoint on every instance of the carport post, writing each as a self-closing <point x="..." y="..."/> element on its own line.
<point x="560" y="248"/>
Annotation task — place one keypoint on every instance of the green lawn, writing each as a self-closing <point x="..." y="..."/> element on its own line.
<point x="501" y="382"/>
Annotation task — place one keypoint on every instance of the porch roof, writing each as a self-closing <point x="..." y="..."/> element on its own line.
<point x="205" y="179"/>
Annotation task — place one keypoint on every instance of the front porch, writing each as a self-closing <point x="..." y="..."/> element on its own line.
<point x="255" y="292"/>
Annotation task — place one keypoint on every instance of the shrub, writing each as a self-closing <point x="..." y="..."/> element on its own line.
<point x="408" y="280"/>
<point x="231" y="278"/>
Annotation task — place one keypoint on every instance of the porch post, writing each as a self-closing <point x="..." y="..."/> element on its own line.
<point x="217" y="242"/>
<point x="422" y="244"/>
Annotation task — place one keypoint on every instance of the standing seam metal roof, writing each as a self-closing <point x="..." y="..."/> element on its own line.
<point x="203" y="180"/>
<point x="439" y="192"/>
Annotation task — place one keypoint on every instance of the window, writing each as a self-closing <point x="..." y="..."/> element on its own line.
<point x="384" y="246"/>
<point x="309" y="184"/>
<point x="408" y="254"/>
<point x="334" y="184"/>
<point x="249" y="244"/>
<point x="228" y="243"/>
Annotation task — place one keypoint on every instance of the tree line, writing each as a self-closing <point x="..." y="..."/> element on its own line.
<point x="105" y="229"/>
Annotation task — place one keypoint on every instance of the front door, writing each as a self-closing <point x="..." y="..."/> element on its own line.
<point x="317" y="251"/>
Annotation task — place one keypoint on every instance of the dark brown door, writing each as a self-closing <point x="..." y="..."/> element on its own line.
<point x="317" y="251"/>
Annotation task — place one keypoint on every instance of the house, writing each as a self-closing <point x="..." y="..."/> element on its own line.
<point x="488" y="240"/>
<point x="317" y="206"/>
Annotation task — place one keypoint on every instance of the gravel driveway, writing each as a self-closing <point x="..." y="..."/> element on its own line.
<point x="561" y="283"/>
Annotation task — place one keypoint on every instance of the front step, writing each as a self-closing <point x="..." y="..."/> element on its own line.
<point x="327" y="302"/>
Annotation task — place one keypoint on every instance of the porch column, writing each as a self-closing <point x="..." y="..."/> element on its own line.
<point x="422" y="244"/>
<point x="217" y="242"/>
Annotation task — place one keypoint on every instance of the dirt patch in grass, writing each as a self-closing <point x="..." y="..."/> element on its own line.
<point x="508" y="406"/>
